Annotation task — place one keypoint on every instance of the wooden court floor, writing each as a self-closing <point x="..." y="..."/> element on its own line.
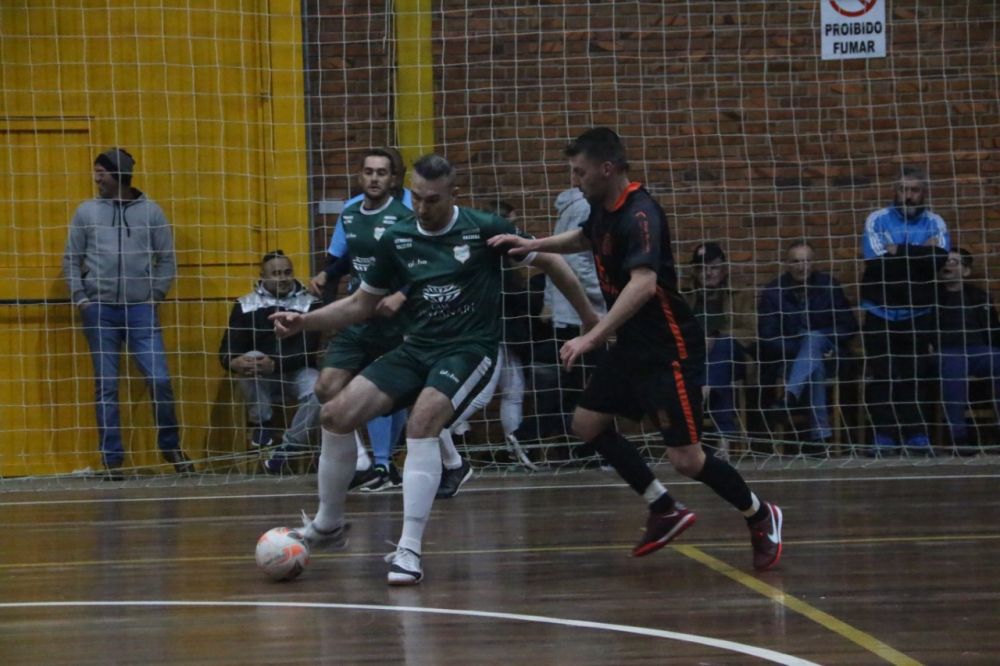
<point x="881" y="566"/>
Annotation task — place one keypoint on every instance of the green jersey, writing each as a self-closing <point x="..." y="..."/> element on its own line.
<point x="453" y="278"/>
<point x="362" y="230"/>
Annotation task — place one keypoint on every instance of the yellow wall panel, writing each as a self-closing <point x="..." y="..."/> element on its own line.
<point x="192" y="90"/>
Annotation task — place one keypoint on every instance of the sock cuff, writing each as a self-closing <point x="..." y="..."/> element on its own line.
<point x="421" y="441"/>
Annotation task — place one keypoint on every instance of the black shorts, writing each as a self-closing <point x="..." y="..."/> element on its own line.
<point x="667" y="389"/>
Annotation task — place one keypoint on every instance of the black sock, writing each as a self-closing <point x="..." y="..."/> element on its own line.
<point x="625" y="458"/>
<point x="723" y="478"/>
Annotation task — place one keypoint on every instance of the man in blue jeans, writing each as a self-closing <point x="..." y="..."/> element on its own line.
<point x="967" y="341"/>
<point x="119" y="263"/>
<point x="804" y="321"/>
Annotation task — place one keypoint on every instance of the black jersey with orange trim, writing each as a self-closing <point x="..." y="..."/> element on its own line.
<point x="635" y="234"/>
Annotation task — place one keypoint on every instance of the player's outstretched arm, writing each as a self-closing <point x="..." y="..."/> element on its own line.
<point x="565" y="280"/>
<point x="640" y="288"/>
<point x="356" y="308"/>
<point x="567" y="242"/>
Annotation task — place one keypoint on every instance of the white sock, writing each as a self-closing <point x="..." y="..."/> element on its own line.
<point x="754" y="505"/>
<point x="364" y="462"/>
<point x="449" y="454"/>
<point x="337" y="459"/>
<point x="653" y="491"/>
<point x="421" y="478"/>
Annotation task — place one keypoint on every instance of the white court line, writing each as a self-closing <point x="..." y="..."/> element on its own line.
<point x="478" y="489"/>
<point x="731" y="646"/>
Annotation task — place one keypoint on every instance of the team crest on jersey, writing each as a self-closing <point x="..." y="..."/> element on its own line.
<point x="462" y="253"/>
<point x="378" y="232"/>
<point x="441" y="293"/>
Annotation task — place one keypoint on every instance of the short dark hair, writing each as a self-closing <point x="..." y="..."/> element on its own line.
<point x="395" y="161"/>
<point x="273" y="254"/>
<point x="433" y="167"/>
<point x="601" y="144"/>
<point x="499" y="207"/>
<point x="913" y="172"/>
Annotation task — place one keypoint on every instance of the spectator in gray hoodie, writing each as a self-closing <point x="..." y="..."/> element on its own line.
<point x="119" y="263"/>
<point x="557" y="390"/>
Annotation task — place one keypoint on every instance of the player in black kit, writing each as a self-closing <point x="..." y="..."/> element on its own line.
<point x="656" y="365"/>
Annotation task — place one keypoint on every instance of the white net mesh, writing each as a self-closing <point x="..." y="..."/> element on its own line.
<point x="238" y="112"/>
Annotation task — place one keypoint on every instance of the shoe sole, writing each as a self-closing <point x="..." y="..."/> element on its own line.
<point x="403" y="580"/>
<point x="654" y="546"/>
<point x="389" y="485"/>
<point x="775" y="511"/>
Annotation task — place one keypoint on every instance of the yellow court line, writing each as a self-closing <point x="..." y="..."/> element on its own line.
<point x="865" y="640"/>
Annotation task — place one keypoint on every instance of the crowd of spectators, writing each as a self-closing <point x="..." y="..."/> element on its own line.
<point x="926" y="328"/>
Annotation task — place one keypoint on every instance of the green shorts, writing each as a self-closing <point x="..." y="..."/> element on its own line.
<point x="356" y="347"/>
<point x="458" y="371"/>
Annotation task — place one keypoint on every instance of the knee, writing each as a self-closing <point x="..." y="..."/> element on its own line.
<point x="688" y="460"/>
<point x="586" y="429"/>
<point x="334" y="419"/>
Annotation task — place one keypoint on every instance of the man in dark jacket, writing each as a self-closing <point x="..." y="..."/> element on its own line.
<point x="268" y="368"/>
<point x="967" y="340"/>
<point x="804" y="321"/>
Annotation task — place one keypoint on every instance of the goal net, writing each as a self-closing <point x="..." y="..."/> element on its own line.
<point x="247" y="121"/>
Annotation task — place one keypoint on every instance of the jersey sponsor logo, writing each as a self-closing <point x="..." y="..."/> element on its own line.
<point x="347" y="219"/>
<point x="441" y="294"/>
<point x="389" y="219"/>
<point x="462" y="253"/>
<point x="378" y="232"/>
<point x="362" y="264"/>
<point x="472" y="235"/>
<point x="403" y="243"/>
<point x="450" y="375"/>
<point x="416" y="262"/>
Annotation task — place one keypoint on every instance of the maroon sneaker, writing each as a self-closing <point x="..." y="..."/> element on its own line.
<point x="765" y="537"/>
<point x="662" y="528"/>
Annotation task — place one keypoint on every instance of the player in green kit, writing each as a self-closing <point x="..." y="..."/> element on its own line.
<point x="353" y="348"/>
<point x="452" y="315"/>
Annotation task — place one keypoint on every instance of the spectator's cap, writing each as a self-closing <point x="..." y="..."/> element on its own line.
<point x="119" y="163"/>
<point x="706" y="253"/>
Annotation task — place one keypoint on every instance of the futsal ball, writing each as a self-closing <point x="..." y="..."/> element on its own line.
<point x="280" y="555"/>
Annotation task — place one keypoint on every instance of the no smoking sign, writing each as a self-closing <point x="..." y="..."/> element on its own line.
<point x="853" y="29"/>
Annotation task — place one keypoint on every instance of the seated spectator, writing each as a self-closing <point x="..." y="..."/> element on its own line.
<point x="727" y="317"/>
<point x="269" y="369"/>
<point x="804" y="321"/>
<point x="967" y="341"/>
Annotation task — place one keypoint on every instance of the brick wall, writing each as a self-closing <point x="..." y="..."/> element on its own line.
<point x="730" y="117"/>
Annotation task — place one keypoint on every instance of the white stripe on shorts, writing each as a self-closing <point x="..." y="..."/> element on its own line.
<point x="462" y="394"/>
